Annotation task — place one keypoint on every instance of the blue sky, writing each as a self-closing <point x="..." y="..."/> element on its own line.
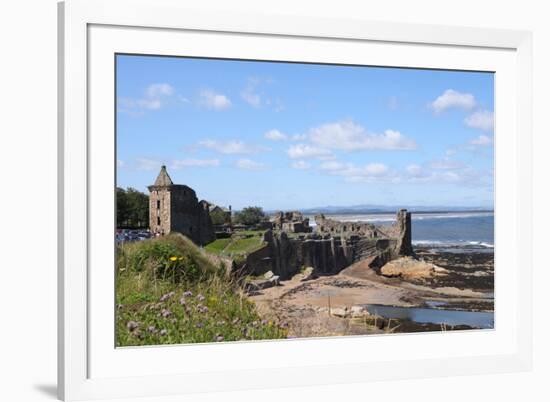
<point x="284" y="136"/>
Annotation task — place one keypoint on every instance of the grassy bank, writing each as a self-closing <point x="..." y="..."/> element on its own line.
<point x="244" y="242"/>
<point x="167" y="292"/>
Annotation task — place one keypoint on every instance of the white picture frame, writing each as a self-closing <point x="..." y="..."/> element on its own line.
<point x="92" y="31"/>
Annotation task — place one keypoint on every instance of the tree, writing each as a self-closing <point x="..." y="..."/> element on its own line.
<point x="250" y="216"/>
<point x="122" y="207"/>
<point x="132" y="208"/>
<point x="219" y="216"/>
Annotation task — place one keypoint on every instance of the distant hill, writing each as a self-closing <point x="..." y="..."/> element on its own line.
<point x="384" y="209"/>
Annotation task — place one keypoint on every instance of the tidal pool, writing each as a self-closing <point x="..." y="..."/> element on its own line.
<point x="484" y="320"/>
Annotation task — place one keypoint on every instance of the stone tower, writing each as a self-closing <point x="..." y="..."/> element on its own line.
<point x="176" y="208"/>
<point x="404" y="240"/>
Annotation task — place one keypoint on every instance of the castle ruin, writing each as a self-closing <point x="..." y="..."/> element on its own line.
<point x="291" y="222"/>
<point x="176" y="208"/>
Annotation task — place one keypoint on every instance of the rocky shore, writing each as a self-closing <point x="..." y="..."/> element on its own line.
<point x="438" y="283"/>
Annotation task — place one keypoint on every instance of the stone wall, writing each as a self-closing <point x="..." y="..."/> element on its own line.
<point x="329" y="253"/>
<point x="159" y="210"/>
<point x="291" y="222"/>
<point x="176" y="208"/>
<point x="331" y="226"/>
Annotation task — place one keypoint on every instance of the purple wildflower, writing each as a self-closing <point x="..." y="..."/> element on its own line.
<point x="187" y="293"/>
<point x="219" y="338"/>
<point x="152" y="329"/>
<point x="199" y="325"/>
<point x="132" y="325"/>
<point x="167" y="296"/>
<point x="202" y="309"/>
<point x="163" y="332"/>
<point x="200" y="297"/>
<point x="166" y="313"/>
<point x="264" y="322"/>
<point x="182" y="301"/>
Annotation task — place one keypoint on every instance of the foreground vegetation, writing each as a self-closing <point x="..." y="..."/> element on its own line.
<point x="168" y="292"/>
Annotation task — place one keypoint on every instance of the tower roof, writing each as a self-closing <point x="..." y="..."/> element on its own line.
<point x="163" y="179"/>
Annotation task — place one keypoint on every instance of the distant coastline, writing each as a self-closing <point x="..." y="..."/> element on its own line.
<point x="376" y="210"/>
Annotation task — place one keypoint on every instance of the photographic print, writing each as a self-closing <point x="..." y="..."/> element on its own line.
<point x="265" y="200"/>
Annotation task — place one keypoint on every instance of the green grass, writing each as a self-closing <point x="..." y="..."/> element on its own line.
<point x="258" y="233"/>
<point x="217" y="246"/>
<point x="243" y="242"/>
<point x="167" y="292"/>
<point x="246" y="245"/>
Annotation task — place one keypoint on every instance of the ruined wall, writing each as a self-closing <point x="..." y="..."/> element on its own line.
<point x="327" y="255"/>
<point x="331" y="253"/>
<point x="326" y="225"/>
<point x="291" y="222"/>
<point x="189" y="216"/>
<point x="175" y="208"/>
<point x="404" y="237"/>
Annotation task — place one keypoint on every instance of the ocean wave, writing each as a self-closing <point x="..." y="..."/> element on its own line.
<point x="389" y="218"/>
<point x="452" y="243"/>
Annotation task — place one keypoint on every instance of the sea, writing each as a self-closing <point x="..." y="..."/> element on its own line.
<point x="468" y="229"/>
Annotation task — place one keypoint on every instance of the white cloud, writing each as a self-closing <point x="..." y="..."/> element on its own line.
<point x="248" y="164"/>
<point x="450" y="151"/>
<point x="414" y="170"/>
<point x="156" y="96"/>
<point x="212" y="100"/>
<point x="453" y="99"/>
<point x="482" y="119"/>
<point x="257" y="99"/>
<point x="249" y="94"/>
<point x="464" y="176"/>
<point x="299" y="137"/>
<point x="332" y="165"/>
<point x="183" y="163"/>
<point x="151" y="104"/>
<point x="301" y="151"/>
<point x="482" y="140"/>
<point x="446" y="164"/>
<point x="275" y="135"/>
<point x="301" y="165"/>
<point x="349" y="136"/>
<point x="232" y="147"/>
<point x="369" y="172"/>
<point x="159" y="90"/>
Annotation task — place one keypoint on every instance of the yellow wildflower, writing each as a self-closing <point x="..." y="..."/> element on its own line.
<point x="173" y="258"/>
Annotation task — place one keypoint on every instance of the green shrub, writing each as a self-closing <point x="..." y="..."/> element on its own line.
<point x="168" y="292"/>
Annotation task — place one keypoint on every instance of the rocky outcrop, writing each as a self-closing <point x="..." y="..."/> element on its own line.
<point x="410" y="268"/>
